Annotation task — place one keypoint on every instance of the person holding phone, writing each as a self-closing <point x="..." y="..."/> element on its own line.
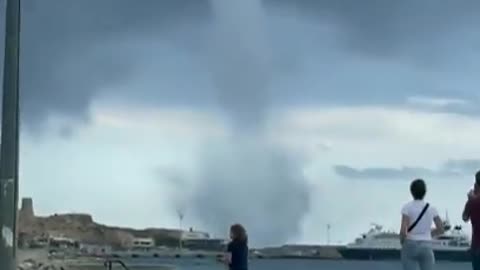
<point x="471" y="212"/>
<point x="416" y="229"/>
<point x="236" y="257"/>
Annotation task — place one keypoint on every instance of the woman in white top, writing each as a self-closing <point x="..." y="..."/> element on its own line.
<point x="416" y="229"/>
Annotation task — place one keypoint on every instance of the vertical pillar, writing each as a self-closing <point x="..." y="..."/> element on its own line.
<point x="9" y="138"/>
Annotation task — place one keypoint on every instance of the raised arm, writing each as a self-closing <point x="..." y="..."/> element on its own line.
<point x="466" y="211"/>
<point x="439" y="229"/>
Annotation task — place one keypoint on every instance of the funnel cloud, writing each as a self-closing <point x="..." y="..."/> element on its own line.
<point x="245" y="179"/>
<point x="253" y="183"/>
<point x="240" y="62"/>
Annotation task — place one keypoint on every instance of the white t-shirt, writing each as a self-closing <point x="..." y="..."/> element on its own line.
<point x="422" y="231"/>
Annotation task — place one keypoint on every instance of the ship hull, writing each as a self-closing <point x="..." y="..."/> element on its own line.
<point x="372" y="254"/>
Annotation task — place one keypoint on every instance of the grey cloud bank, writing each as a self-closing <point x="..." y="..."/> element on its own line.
<point x="451" y="168"/>
<point x="373" y="52"/>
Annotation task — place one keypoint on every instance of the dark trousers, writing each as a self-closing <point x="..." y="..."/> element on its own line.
<point x="475" y="253"/>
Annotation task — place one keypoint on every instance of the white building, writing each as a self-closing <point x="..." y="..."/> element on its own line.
<point x="62" y="242"/>
<point x="143" y="243"/>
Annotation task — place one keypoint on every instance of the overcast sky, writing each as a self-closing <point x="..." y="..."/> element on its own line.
<point x="284" y="115"/>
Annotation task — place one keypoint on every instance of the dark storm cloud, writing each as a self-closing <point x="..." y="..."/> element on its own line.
<point x="72" y="50"/>
<point x="435" y="41"/>
<point x="388" y="27"/>
<point x="68" y="51"/>
<point x="450" y="168"/>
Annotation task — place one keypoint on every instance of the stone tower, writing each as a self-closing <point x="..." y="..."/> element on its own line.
<point x="26" y="211"/>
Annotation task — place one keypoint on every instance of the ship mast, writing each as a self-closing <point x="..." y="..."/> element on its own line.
<point x="328" y="233"/>
<point x="446" y="222"/>
<point x="180" y="215"/>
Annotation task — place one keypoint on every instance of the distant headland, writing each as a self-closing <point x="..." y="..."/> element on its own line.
<point x="82" y="229"/>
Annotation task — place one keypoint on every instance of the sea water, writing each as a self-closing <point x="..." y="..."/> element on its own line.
<point x="286" y="264"/>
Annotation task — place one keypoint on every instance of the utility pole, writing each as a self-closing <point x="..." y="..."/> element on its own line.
<point x="328" y="233"/>
<point x="181" y="215"/>
<point x="10" y="138"/>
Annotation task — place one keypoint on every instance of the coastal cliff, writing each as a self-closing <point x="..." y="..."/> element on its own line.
<point x="83" y="228"/>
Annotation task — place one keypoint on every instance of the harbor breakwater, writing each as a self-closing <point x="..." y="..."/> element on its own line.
<point x="38" y="258"/>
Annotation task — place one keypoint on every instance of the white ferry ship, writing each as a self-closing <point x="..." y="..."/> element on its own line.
<point x="379" y="244"/>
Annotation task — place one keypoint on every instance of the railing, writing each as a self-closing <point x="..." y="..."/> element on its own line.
<point x="109" y="264"/>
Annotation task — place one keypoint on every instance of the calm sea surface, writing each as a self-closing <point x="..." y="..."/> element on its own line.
<point x="205" y="264"/>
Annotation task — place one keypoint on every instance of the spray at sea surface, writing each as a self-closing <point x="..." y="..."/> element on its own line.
<point x="246" y="178"/>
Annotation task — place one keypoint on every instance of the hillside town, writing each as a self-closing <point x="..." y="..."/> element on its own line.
<point x="76" y="239"/>
<point x="81" y="233"/>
